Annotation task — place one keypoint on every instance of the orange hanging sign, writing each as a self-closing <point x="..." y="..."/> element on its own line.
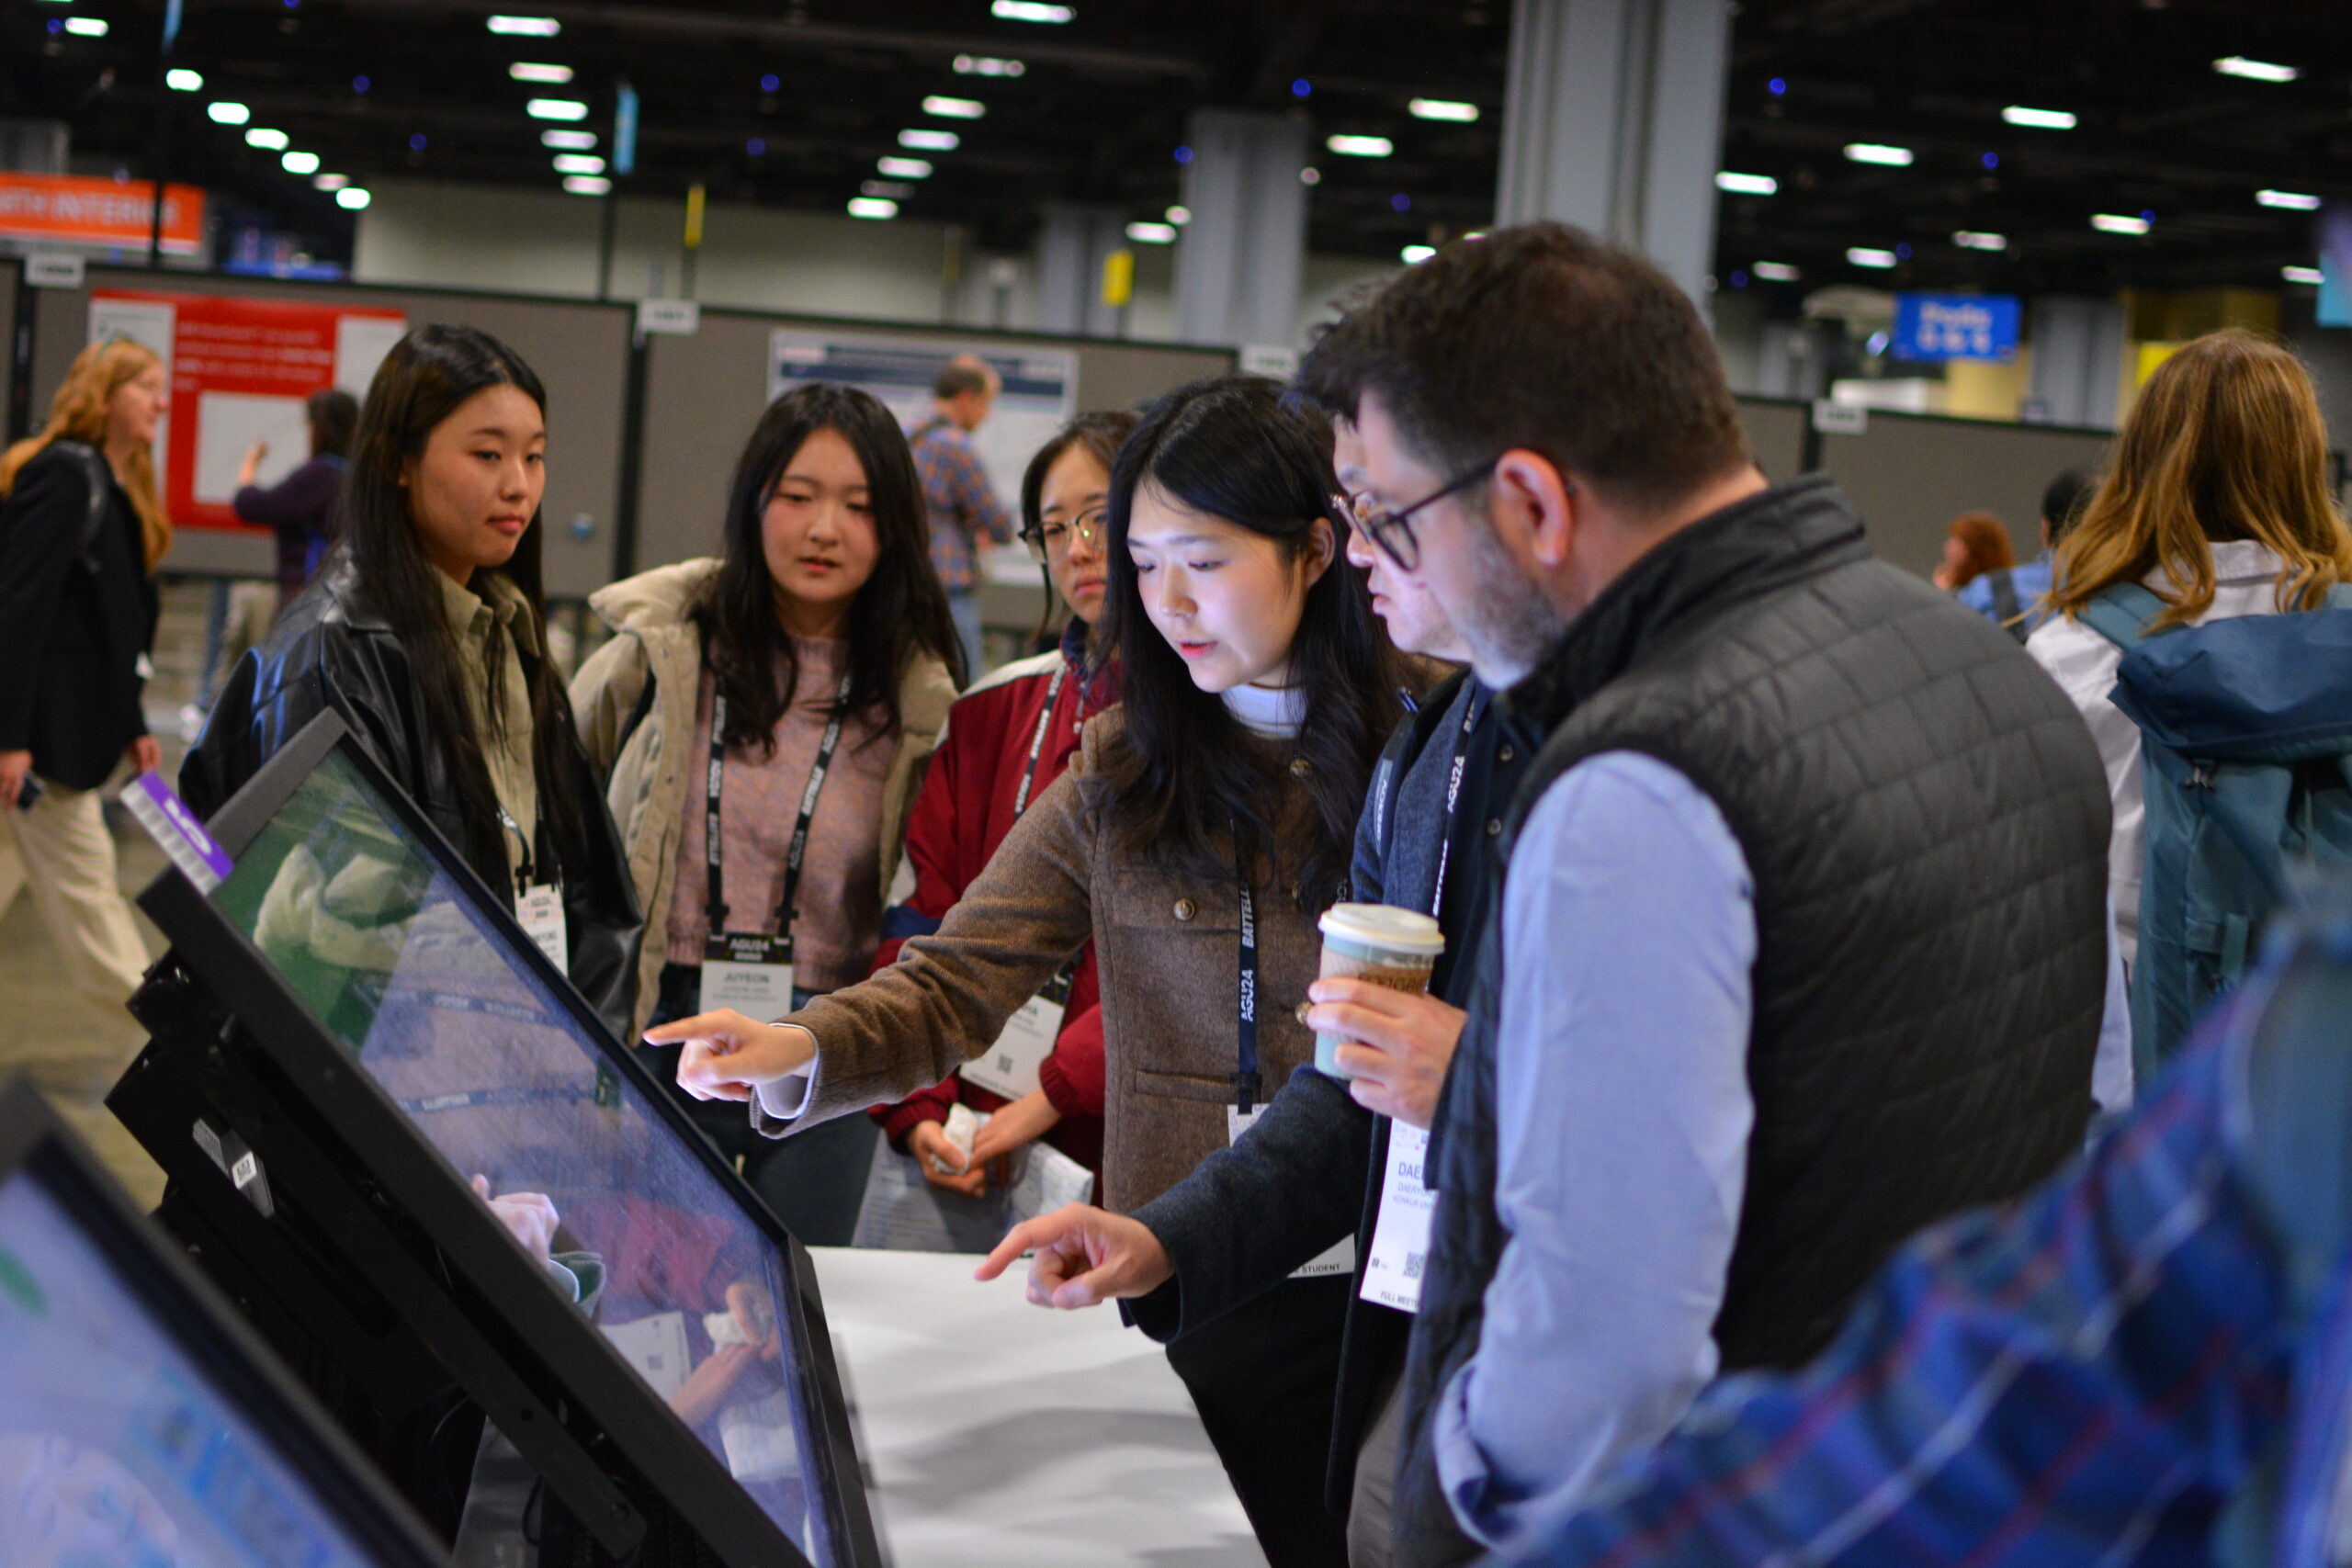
<point x="80" y="211"/>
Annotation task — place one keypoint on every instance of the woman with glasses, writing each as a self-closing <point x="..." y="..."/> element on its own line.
<point x="1007" y="740"/>
<point x="1204" y="824"/>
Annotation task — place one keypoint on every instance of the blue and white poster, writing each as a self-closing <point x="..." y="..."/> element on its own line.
<point x="1040" y="386"/>
<point x="1956" y="326"/>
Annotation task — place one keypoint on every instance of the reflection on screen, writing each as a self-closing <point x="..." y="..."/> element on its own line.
<point x="115" y="1449"/>
<point x="395" y="958"/>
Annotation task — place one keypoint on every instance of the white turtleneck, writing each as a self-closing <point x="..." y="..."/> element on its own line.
<point x="1277" y="713"/>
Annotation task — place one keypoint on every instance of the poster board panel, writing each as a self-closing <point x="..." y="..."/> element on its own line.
<point x="704" y="392"/>
<point x="1910" y="475"/>
<point x="1775" y="431"/>
<point x="579" y="348"/>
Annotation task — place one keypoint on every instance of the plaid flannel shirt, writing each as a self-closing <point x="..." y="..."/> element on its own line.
<point x="961" y="503"/>
<point x="2087" y="1378"/>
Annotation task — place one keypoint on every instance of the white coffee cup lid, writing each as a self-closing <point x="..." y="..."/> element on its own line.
<point x="1384" y="925"/>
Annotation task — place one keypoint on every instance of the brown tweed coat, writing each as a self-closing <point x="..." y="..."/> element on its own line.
<point x="1169" y="947"/>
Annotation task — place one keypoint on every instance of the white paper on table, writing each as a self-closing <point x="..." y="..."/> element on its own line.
<point x="656" y="1346"/>
<point x="903" y="1213"/>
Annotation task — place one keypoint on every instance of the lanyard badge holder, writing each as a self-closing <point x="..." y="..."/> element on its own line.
<point x="751" y="972"/>
<point x="1011" y="1066"/>
<point x="539" y="906"/>
<point x="1400" y="1236"/>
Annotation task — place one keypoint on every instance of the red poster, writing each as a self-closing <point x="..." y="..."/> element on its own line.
<point x="239" y="371"/>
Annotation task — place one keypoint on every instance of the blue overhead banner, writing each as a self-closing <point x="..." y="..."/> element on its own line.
<point x="1956" y="326"/>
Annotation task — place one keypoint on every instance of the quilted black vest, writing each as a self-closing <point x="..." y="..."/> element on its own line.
<point x="1924" y="819"/>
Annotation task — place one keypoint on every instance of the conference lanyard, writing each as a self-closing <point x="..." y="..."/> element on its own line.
<point x="1011" y="1065"/>
<point x="539" y="906"/>
<point x="1246" y="1084"/>
<point x="1470" y="718"/>
<point x="797" y="849"/>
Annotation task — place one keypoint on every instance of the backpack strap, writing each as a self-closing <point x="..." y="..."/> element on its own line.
<point x="2006" y="608"/>
<point x="2121" y="615"/>
<point x="93" y="518"/>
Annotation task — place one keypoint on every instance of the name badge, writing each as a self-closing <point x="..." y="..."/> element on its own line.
<point x="1010" y="1068"/>
<point x="750" y="974"/>
<point x="1401" y="1236"/>
<point x="540" y="912"/>
<point x="1340" y="1258"/>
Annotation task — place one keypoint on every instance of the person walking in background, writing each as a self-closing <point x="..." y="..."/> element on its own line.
<point x="2016" y="598"/>
<point x="426" y="633"/>
<point x="1977" y="543"/>
<point x="790" y="692"/>
<point x="1007" y="740"/>
<point x="81" y="532"/>
<point x="2216" y="506"/>
<point x="300" y="508"/>
<point x="962" y="507"/>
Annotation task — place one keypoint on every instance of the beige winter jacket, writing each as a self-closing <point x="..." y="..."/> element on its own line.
<point x="648" y="771"/>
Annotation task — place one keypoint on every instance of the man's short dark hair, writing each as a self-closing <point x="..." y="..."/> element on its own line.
<point x="2062" y="501"/>
<point x="959" y="376"/>
<point x="1544" y="338"/>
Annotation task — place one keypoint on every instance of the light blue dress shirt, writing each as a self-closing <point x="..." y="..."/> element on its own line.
<point x="2032" y="582"/>
<point x="1622" y="1117"/>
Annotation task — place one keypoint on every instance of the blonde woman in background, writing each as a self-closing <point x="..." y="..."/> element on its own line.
<point x="2217" y="502"/>
<point x="81" y="532"/>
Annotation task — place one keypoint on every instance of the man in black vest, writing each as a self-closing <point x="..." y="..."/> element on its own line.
<point x="1800" y="942"/>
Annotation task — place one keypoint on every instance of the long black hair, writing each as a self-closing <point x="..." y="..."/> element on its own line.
<point x="1100" y="435"/>
<point x="900" y="613"/>
<point x="1186" y="773"/>
<point x="423" y="380"/>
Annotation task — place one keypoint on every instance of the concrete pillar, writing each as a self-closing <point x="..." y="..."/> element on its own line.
<point x="1238" y="261"/>
<point x="1612" y="120"/>
<point x="1072" y="245"/>
<point x="2077" y="347"/>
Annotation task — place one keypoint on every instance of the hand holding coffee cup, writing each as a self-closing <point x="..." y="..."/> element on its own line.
<point x="1379" y="944"/>
<point x="1374" y="1022"/>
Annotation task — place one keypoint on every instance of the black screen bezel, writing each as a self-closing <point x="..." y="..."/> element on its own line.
<point x="37" y="1145"/>
<point x="384" y="1141"/>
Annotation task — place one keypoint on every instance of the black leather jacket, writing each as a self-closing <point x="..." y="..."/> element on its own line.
<point x="333" y="648"/>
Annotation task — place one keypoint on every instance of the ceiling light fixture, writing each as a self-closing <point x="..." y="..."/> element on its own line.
<point x="271" y="141"/>
<point x="2256" y="70"/>
<point x="1776" y="272"/>
<point x="578" y="164"/>
<point x="226" y="113"/>
<point x="2294" y="201"/>
<point x="953" y="108"/>
<point x="352" y="199"/>
<point x="1879" y="153"/>
<point x="568" y="141"/>
<point x="1152" y="233"/>
<point x="525" y="70"/>
<point x="526" y="27"/>
<point x="889" y="190"/>
<point x="922" y="141"/>
<point x="1413" y="255"/>
<point x="556" y="109"/>
<point x="2039" y="119"/>
<point x="2118" y="223"/>
<point x="1979" y="239"/>
<point x="872" y="207"/>
<point x="85" y="27"/>
<point x="183" y="81"/>
<point x="1029" y="11"/>
<point x="987" y="65"/>
<point x="1745" y="185"/>
<point x="300" y="163"/>
<point x="1865" y="255"/>
<point x="903" y="168"/>
<point x="587" y="185"/>
<point x="2303" y="274"/>
<point x="1180" y="216"/>
<point x="1443" y="108"/>
<point x="1361" y="146"/>
<point x="329" y="182"/>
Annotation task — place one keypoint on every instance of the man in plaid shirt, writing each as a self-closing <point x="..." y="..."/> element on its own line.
<point x="2147" y="1361"/>
<point x="964" y="508"/>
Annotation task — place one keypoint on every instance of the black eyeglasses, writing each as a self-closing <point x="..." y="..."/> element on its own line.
<point x="1090" y="525"/>
<point x="1393" y="531"/>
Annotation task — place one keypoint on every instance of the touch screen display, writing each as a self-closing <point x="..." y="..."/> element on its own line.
<point x="619" y="1216"/>
<point x="117" y="1449"/>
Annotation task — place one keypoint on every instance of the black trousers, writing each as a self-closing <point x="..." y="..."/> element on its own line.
<point x="1263" y="1378"/>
